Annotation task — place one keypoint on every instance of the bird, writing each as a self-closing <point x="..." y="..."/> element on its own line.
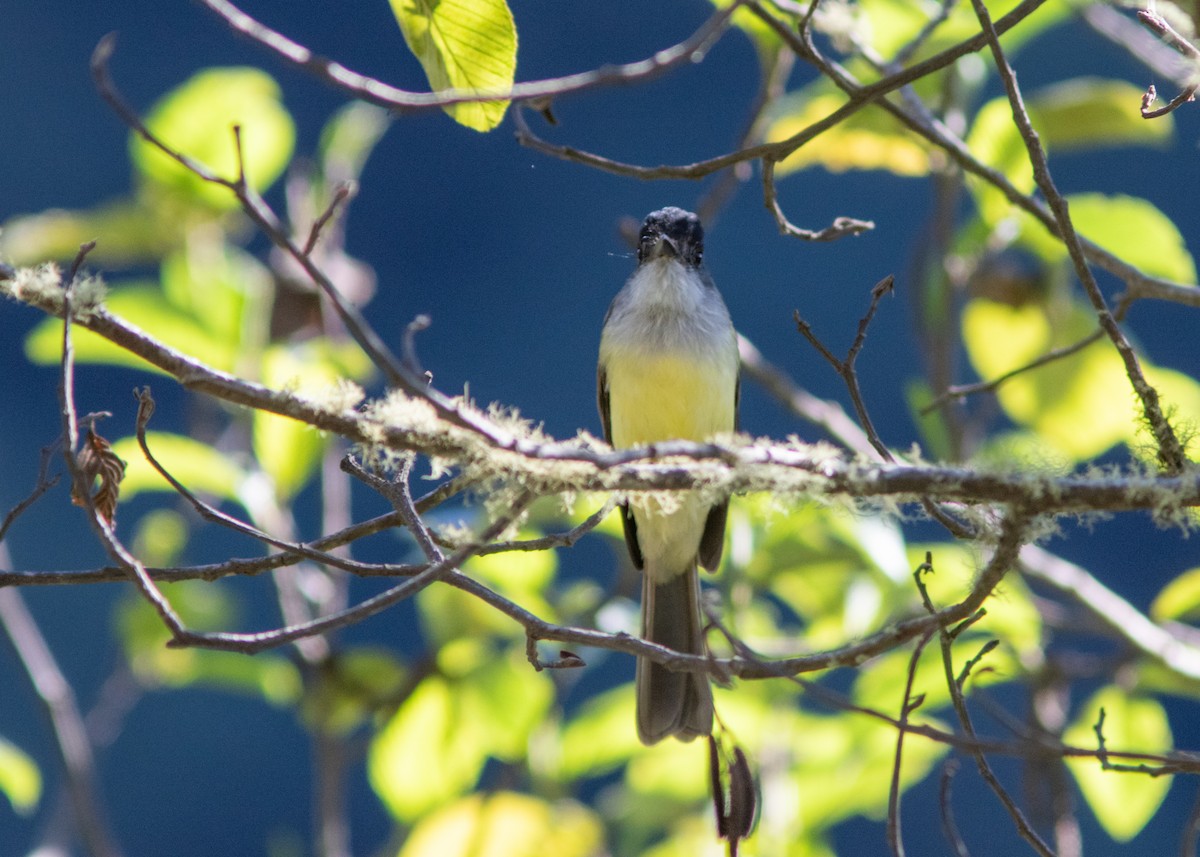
<point x="669" y="370"/>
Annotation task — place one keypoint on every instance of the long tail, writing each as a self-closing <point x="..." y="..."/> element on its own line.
<point x="672" y="703"/>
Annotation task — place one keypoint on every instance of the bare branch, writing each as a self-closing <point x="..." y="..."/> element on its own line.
<point x="401" y="101"/>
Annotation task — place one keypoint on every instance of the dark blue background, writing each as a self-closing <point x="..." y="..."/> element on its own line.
<point x="515" y="257"/>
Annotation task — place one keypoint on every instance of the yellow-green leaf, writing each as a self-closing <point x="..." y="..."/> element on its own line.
<point x="224" y="289"/>
<point x="891" y="24"/>
<point x="1090" y="112"/>
<point x="480" y="705"/>
<point x="20" y="779"/>
<point x="428" y="754"/>
<point x="289" y="450"/>
<point x="1122" y="802"/>
<point x="469" y="46"/>
<point x="1080" y="405"/>
<point x="868" y="140"/>
<point x="1179" y="599"/>
<point x="198" y="118"/>
<point x="507" y="824"/>
<point x="1136" y="231"/>
<point x="161" y="537"/>
<point x="995" y="141"/>
<point x="143" y="306"/>
<point x="197" y="465"/>
<point x="600" y="737"/>
<point x="352" y="688"/>
<point x="202" y="606"/>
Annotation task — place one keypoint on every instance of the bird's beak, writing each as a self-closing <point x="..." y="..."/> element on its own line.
<point x="664" y="246"/>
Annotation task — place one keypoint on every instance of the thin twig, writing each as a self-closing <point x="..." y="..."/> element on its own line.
<point x="908" y="704"/>
<point x="736" y="466"/>
<point x="846" y="368"/>
<point x="827" y="415"/>
<point x="1138" y="284"/>
<point x="342" y="194"/>
<point x="1159" y="25"/>
<point x="1120" y="617"/>
<point x="840" y="228"/>
<point x="293" y="550"/>
<point x="252" y="643"/>
<point x="961" y="391"/>
<point x="256" y="208"/>
<point x="43" y="484"/>
<point x="70" y="734"/>
<point x="949" y="826"/>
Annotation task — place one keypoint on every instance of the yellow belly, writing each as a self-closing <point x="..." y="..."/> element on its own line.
<point x="669" y="397"/>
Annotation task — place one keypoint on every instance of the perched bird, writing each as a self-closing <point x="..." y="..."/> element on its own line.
<point x="669" y="371"/>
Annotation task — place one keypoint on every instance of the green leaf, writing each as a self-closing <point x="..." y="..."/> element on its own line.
<point x="867" y="140"/>
<point x="288" y="450"/>
<point x="935" y="433"/>
<point x="846" y="767"/>
<point x="20" y="779"/>
<point x="198" y="118"/>
<point x="1082" y="113"/>
<point x="600" y="737"/>
<point x="161" y="537"/>
<point x="469" y="46"/>
<point x="434" y="748"/>
<point x="141" y="305"/>
<point x="1079" y="405"/>
<point x="1179" y="600"/>
<point x="517" y="573"/>
<point x="891" y="24"/>
<point x="223" y="288"/>
<point x="507" y="824"/>
<point x="995" y="141"/>
<point x="449" y="614"/>
<point x="428" y="753"/>
<point x="1122" y="802"/>
<point x="1136" y="231"/>
<point x="197" y="465"/>
<point x="203" y="606"/>
<point x="1090" y="112"/>
<point x="348" y="139"/>
<point x="126" y="231"/>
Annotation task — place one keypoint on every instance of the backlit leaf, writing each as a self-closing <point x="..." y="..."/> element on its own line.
<point x="480" y="706"/>
<point x="198" y="118"/>
<point x="1080" y="405"/>
<point x="507" y="824"/>
<point x="1136" y="231"/>
<point x="995" y="141"/>
<point x="1089" y="112"/>
<point x="197" y="465"/>
<point x="1179" y="599"/>
<point x="20" y="779"/>
<point x="142" y="306"/>
<point x="1122" y="802"/>
<point x="868" y="140"/>
<point x="464" y="45"/>
<point x="428" y="753"/>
